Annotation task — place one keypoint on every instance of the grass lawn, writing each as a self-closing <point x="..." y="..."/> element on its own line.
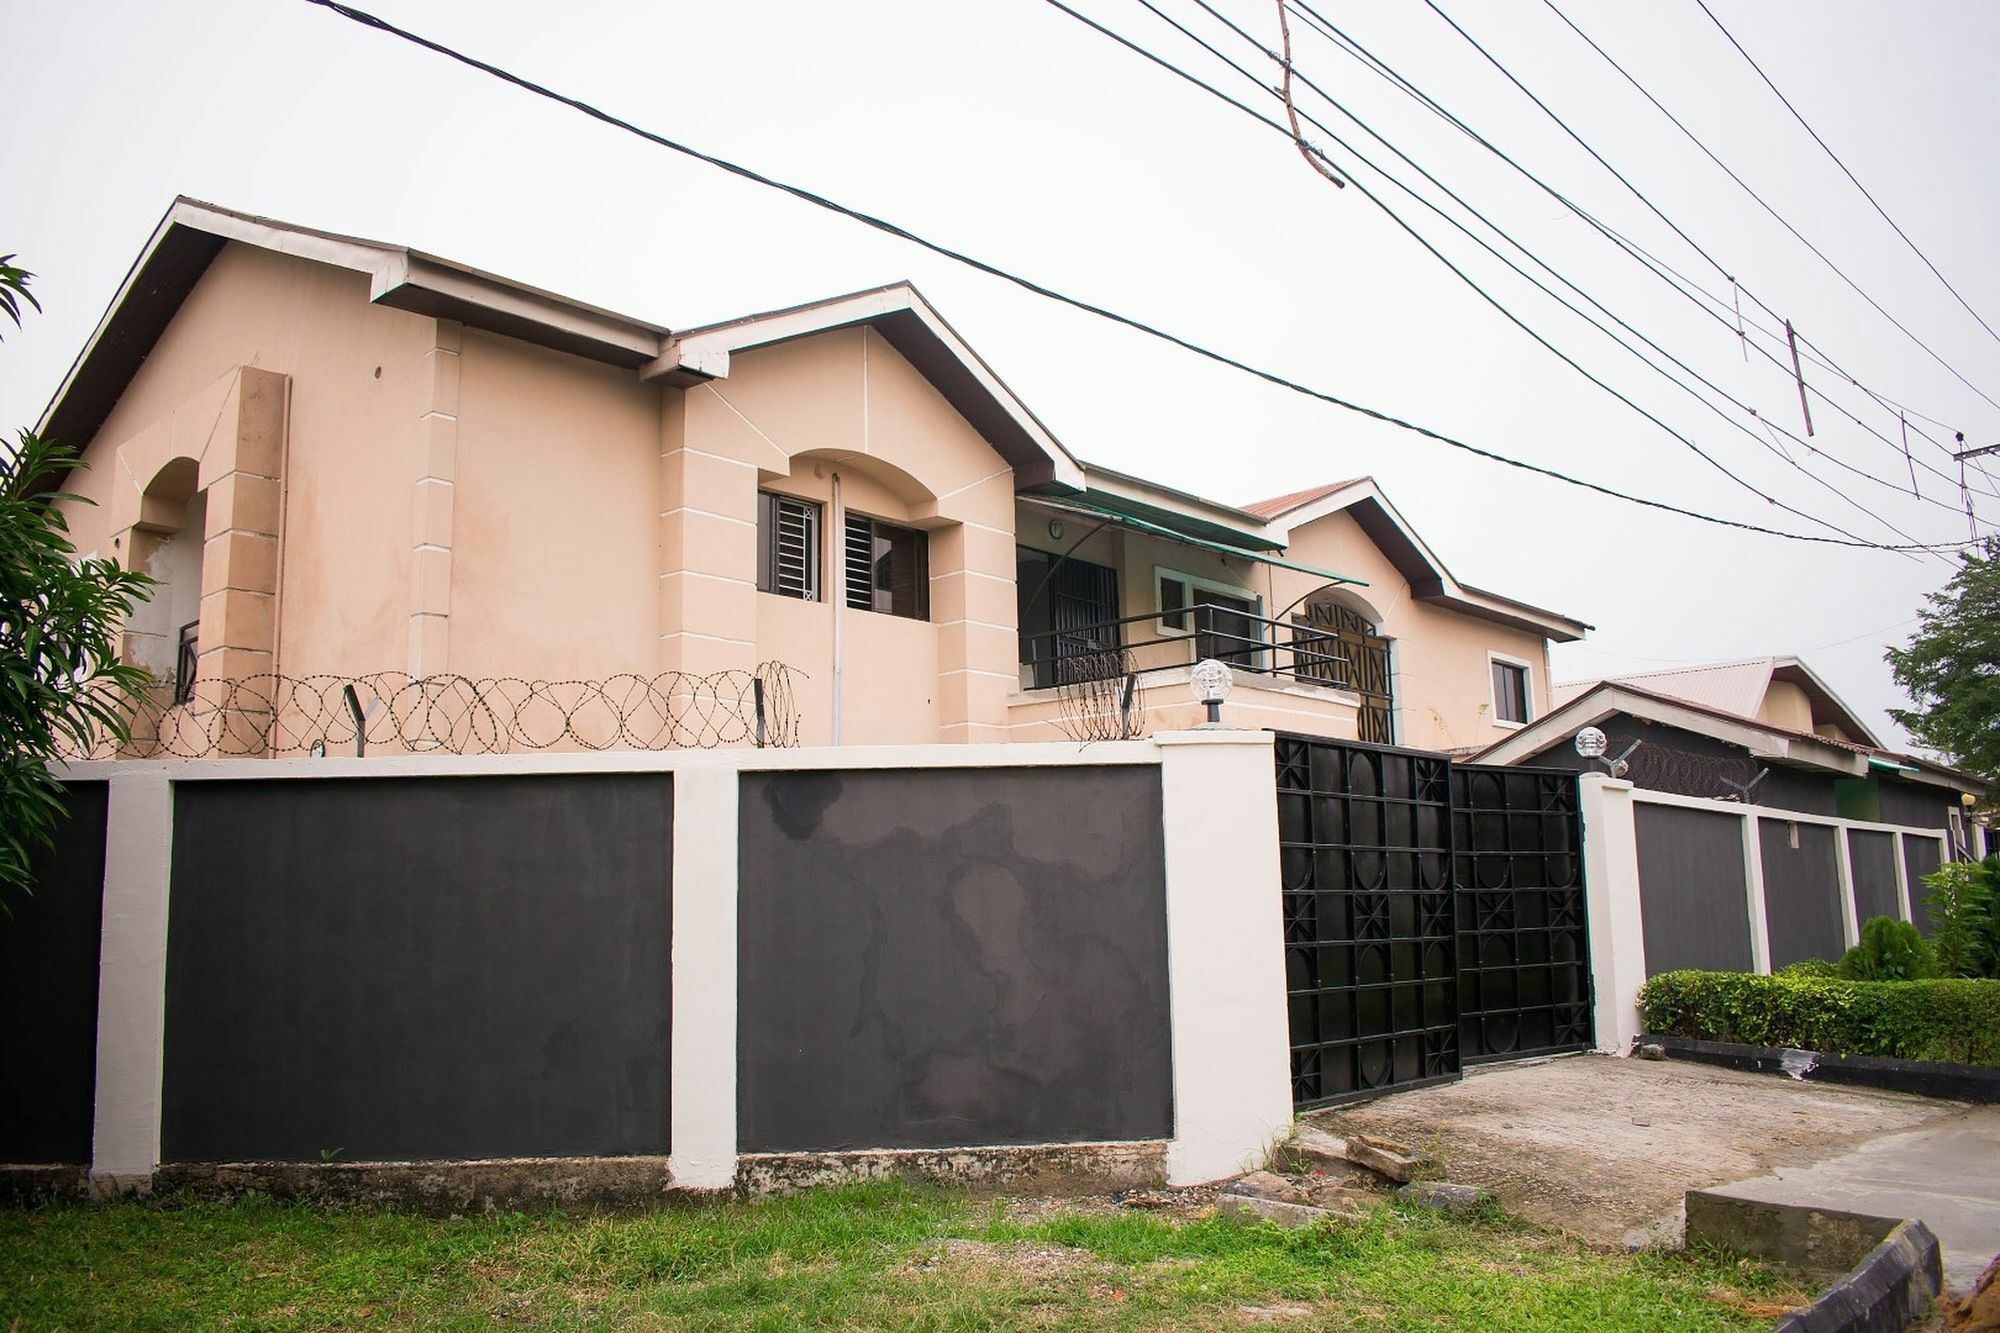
<point x="872" y="1256"/>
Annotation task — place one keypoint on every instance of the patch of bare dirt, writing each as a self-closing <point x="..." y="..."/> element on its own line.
<point x="1020" y="1258"/>
<point x="1602" y="1147"/>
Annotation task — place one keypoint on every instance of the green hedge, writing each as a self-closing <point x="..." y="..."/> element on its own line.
<point x="1953" y="1022"/>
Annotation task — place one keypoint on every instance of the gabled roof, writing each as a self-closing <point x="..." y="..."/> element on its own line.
<point x="910" y="324"/>
<point x="1362" y="500"/>
<point x="192" y="233"/>
<point x="1738" y="688"/>
<point x="1761" y="740"/>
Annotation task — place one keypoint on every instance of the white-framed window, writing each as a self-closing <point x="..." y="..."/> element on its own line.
<point x="1513" y="690"/>
<point x="1229" y="632"/>
<point x="788" y="546"/>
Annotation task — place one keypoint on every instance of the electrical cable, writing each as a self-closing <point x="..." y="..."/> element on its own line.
<point x="1676" y="281"/>
<point x="1845" y="172"/>
<point x="1763" y="203"/>
<point x="366" y="19"/>
<point x="1537" y="283"/>
<point x="1641" y="196"/>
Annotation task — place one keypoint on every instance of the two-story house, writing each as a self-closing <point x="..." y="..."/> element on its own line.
<point x="342" y="458"/>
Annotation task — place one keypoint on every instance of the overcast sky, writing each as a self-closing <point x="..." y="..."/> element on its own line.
<point x="1009" y="130"/>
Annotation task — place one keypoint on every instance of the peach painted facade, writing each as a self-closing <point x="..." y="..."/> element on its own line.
<point x="342" y="458"/>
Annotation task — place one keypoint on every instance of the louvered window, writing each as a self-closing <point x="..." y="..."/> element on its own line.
<point x="888" y="568"/>
<point x="787" y="546"/>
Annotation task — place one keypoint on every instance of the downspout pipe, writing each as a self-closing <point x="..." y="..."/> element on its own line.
<point x="837" y="541"/>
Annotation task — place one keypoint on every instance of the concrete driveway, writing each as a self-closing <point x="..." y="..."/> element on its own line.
<point x="1605" y="1147"/>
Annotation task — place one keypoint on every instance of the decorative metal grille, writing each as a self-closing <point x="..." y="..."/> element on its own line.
<point x="1360" y="664"/>
<point x="1369" y="917"/>
<point x="268" y="715"/>
<point x="1523" y="950"/>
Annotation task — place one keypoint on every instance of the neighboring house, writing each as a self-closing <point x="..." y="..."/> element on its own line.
<point x="343" y="458"/>
<point x="1764" y="729"/>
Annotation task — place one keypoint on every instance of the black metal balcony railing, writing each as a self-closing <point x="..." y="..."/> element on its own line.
<point x="1247" y="642"/>
<point x="1075" y="658"/>
<point x="187" y="652"/>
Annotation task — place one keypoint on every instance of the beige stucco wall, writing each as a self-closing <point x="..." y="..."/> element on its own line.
<point x="356" y="374"/>
<point x="1786" y="705"/>
<point x="793" y="418"/>
<point x="554" y="571"/>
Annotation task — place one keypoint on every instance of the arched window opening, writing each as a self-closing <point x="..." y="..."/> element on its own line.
<point x="164" y="633"/>
<point x="1337" y="645"/>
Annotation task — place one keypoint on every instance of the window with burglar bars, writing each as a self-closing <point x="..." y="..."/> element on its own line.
<point x="1065" y="606"/>
<point x="888" y="568"/>
<point x="787" y="546"/>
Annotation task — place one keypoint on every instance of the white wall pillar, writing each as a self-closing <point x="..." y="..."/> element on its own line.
<point x="1904" y="903"/>
<point x="132" y="980"/>
<point x="702" y="1153"/>
<point x="1850" y="916"/>
<point x="1753" y="883"/>
<point x="1617" y="931"/>
<point x="1225" y="952"/>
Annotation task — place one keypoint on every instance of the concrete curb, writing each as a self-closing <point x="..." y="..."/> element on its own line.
<point x="1888" y="1291"/>
<point x="1899" y="1271"/>
<point x="1965" y="1083"/>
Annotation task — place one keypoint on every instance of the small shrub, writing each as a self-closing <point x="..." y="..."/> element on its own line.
<point x="1890" y="950"/>
<point x="1810" y="967"/>
<point x="1962" y="909"/>
<point x="1952" y="1021"/>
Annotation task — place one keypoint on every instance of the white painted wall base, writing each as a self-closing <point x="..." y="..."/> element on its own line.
<point x="132" y="978"/>
<point x="1617" y="934"/>
<point x="1225" y="952"/>
<point x="702" y="1143"/>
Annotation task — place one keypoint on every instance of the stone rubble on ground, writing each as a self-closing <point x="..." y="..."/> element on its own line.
<point x="1443" y="1194"/>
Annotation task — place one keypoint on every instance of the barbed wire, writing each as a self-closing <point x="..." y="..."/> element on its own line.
<point x="269" y="715"/>
<point x="1715" y="777"/>
<point x="1098" y="696"/>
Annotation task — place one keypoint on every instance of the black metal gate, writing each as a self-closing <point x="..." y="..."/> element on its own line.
<point x="1433" y="914"/>
<point x="1523" y="956"/>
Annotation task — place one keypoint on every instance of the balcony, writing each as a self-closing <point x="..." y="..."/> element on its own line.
<point x="1110" y="679"/>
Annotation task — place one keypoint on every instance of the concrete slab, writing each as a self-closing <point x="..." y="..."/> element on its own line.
<point x="1946" y="1172"/>
<point x="1605" y="1147"/>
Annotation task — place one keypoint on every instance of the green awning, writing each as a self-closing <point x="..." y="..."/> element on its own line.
<point x="1092" y="507"/>
<point x="1891" y="765"/>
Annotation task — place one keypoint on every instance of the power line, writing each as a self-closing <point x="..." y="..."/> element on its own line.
<point x="1675" y="280"/>
<point x="365" y="19"/>
<point x="1640" y="195"/>
<point x="1762" y="202"/>
<point x="1845" y="172"/>
<point x="1765" y="204"/>
<point x="1361" y="157"/>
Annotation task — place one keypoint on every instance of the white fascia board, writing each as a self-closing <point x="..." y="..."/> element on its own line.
<point x="463" y="287"/>
<point x="706" y="353"/>
<point x="1608" y="700"/>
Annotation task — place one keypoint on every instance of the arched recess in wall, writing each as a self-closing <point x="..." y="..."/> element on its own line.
<point x="168" y="543"/>
<point x="1337" y="639"/>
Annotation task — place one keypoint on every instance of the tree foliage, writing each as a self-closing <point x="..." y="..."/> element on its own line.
<point x="61" y="684"/>
<point x="1951" y="667"/>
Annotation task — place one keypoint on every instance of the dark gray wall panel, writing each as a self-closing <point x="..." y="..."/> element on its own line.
<point x="1692" y="901"/>
<point x="1871" y="858"/>
<point x="1916" y="804"/>
<point x="1801" y="892"/>
<point x="48" y="992"/>
<point x="419" y="968"/>
<point x="1921" y="856"/>
<point x="953" y="958"/>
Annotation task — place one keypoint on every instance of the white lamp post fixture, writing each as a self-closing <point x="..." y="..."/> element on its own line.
<point x="1209" y="684"/>
<point x="1591" y="743"/>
